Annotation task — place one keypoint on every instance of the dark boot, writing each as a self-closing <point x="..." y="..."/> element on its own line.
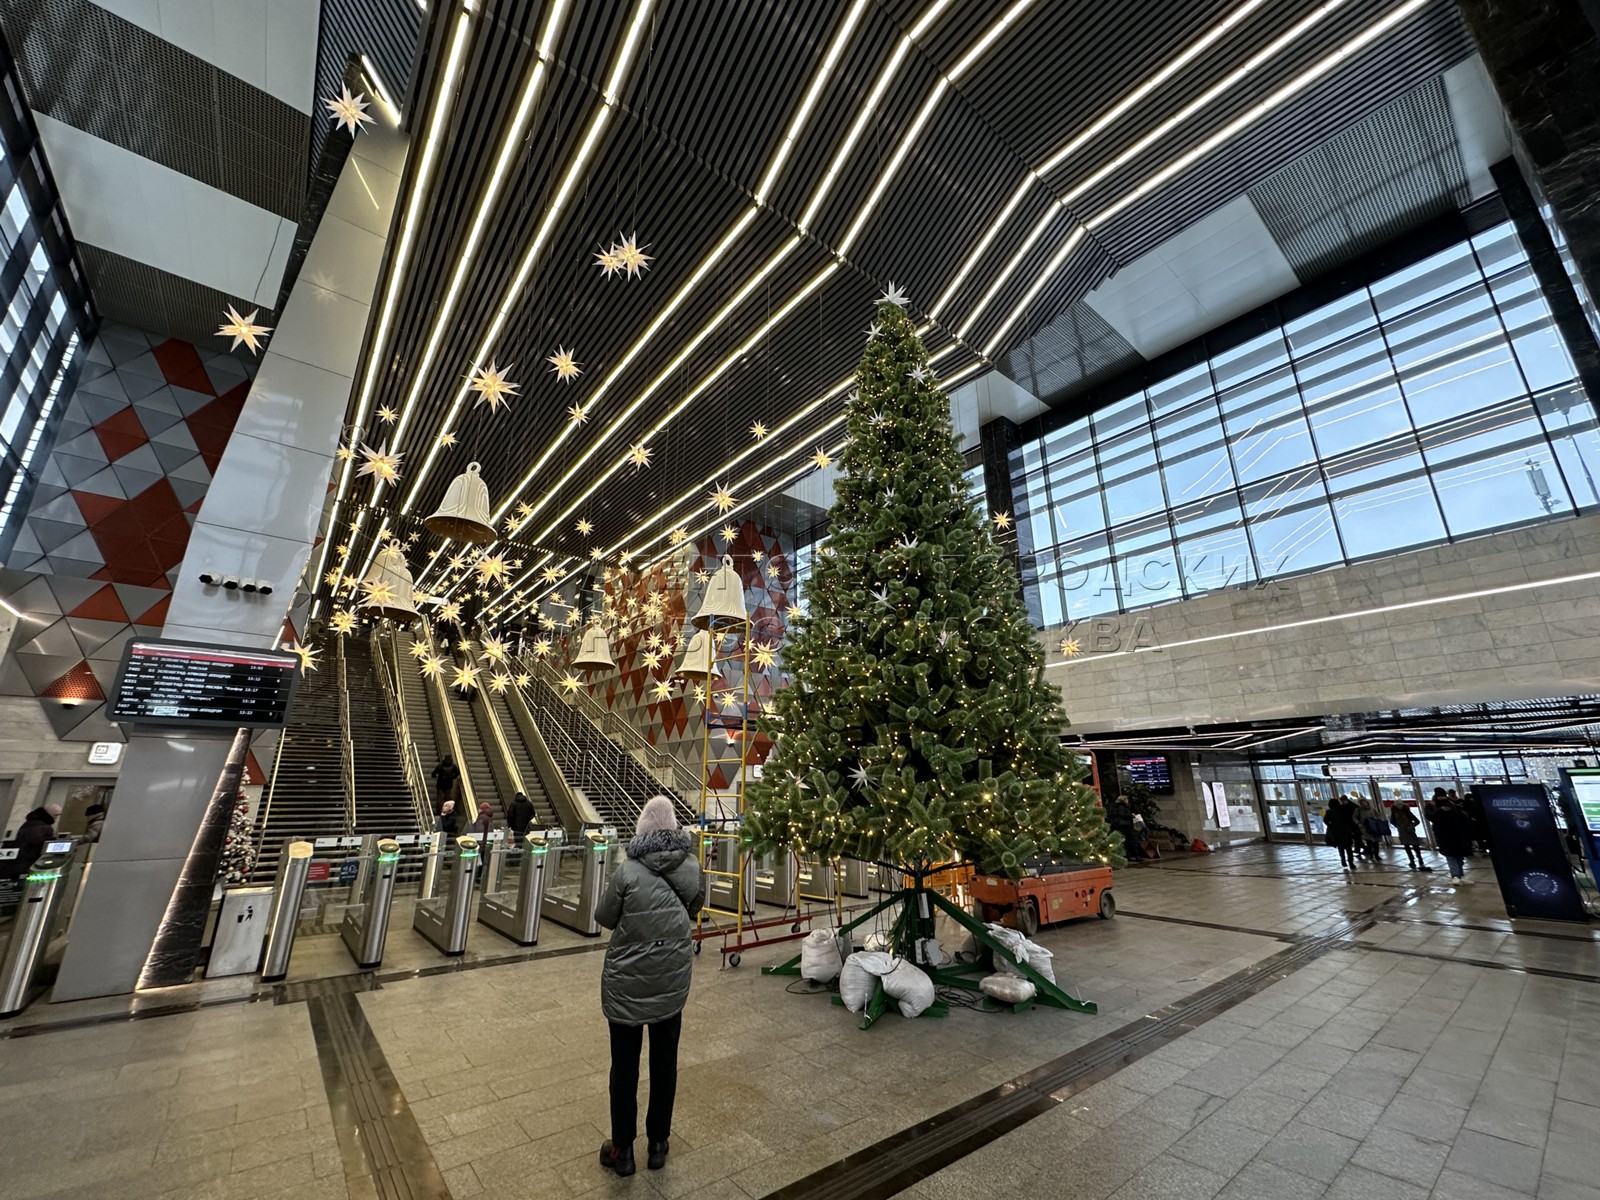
<point x="658" y="1156"/>
<point x="617" y="1158"/>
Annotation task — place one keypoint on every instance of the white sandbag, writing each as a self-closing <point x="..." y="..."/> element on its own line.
<point x="819" y="957"/>
<point x="876" y="941"/>
<point x="1008" y="989"/>
<point x="860" y="975"/>
<point x="909" y="987"/>
<point x="1023" y="950"/>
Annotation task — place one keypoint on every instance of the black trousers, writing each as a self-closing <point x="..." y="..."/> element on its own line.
<point x="626" y="1043"/>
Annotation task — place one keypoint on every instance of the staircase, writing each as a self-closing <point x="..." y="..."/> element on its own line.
<point x="306" y="798"/>
<point x="383" y="798"/>
<point x="532" y="788"/>
<point x="414" y="698"/>
<point x="614" y="781"/>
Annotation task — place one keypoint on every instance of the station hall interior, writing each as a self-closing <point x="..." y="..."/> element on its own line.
<point x="819" y="598"/>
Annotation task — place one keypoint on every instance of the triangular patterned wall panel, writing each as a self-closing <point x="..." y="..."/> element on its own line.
<point x="109" y="522"/>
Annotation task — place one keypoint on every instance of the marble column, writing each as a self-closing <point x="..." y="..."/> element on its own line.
<point x="136" y="919"/>
<point x="1543" y="58"/>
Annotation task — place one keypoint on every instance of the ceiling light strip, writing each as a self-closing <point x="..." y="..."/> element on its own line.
<point x="1050" y="269"/>
<point x="797" y="123"/>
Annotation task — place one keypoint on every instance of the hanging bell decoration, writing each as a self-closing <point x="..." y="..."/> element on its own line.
<point x="594" y="652"/>
<point x="463" y="515"/>
<point x="697" y="658"/>
<point x="388" y="591"/>
<point x="723" y="603"/>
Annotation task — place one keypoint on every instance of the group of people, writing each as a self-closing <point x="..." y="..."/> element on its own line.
<point x="447" y="785"/>
<point x="1359" y="827"/>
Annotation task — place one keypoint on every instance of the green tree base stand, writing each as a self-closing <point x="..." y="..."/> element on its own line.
<point x="913" y="923"/>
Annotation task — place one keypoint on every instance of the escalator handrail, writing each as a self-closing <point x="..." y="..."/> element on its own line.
<point x="386" y="657"/>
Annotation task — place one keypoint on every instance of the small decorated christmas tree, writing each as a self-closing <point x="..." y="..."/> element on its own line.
<point x="918" y="727"/>
<point x="238" y="848"/>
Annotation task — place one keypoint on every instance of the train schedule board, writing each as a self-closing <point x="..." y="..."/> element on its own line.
<point x="165" y="682"/>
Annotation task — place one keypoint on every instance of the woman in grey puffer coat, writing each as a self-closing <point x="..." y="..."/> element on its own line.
<point x="650" y="905"/>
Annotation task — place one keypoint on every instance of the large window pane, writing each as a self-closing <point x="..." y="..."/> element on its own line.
<point x="1351" y="395"/>
<point x="1538" y="346"/>
<point x="1255" y="357"/>
<point x="1453" y="356"/>
<point x="1213" y="548"/>
<point x="1267" y="426"/>
<point x="1426" y="281"/>
<point x="1382" y="499"/>
<point x="1147" y="563"/>
<point x="1194" y="453"/>
<point x="1076" y="505"/>
<point x="1331" y="323"/>
<point x="1128" y="471"/>
<point x="1569" y="419"/>
<point x="1291" y="523"/>
<point x="1088" y="577"/>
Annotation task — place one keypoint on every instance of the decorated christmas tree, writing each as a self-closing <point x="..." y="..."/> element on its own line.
<point x="918" y="726"/>
<point x="238" y="848"/>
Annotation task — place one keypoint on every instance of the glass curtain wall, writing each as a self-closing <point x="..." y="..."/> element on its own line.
<point x="43" y="306"/>
<point x="1437" y="403"/>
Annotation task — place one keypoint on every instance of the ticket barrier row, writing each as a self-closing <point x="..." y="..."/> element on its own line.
<point x="38" y="934"/>
<point x="786" y="879"/>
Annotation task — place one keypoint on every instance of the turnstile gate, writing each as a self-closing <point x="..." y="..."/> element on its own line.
<point x="514" y="912"/>
<point x="445" y="918"/>
<point x="575" y="879"/>
<point x="37" y="939"/>
<point x="294" y="864"/>
<point x="365" y="927"/>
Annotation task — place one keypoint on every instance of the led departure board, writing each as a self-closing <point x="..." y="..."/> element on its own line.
<point x="185" y="683"/>
<point x="1153" y="771"/>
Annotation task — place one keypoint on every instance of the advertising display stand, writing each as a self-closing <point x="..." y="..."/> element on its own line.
<point x="1530" y="861"/>
<point x="1580" y="796"/>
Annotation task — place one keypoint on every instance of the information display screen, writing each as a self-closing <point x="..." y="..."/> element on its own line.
<point x="1153" y="771"/>
<point x="184" y="683"/>
<point x="1586" y="790"/>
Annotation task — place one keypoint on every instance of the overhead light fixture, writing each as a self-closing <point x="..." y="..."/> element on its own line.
<point x="376" y="80"/>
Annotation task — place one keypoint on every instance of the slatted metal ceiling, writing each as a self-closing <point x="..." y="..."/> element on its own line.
<point x="702" y="111"/>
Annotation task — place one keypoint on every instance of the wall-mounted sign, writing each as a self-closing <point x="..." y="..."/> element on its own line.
<point x="105" y="754"/>
<point x="164" y="682"/>
<point x="1365" y="770"/>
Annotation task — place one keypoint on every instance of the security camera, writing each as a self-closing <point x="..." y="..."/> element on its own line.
<point x="249" y="585"/>
<point x="210" y="578"/>
<point x="231" y="582"/>
<point x="264" y="588"/>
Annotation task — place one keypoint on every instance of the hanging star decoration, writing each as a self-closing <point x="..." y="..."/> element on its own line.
<point x="377" y="593"/>
<point x="1002" y="521"/>
<point x="524" y="679"/>
<point x="466" y="676"/>
<point x="243" y="329"/>
<point x="388" y="415"/>
<point x="432" y="666"/>
<point x="344" y="453"/>
<point x="499" y="682"/>
<point x="381" y="464"/>
<point x="458" y="562"/>
<point x="678" y="536"/>
<point x="723" y="498"/>
<point x="639" y="456"/>
<point x="1071" y="647"/>
<point x="631" y="255"/>
<point x="492" y="568"/>
<point x="874" y="329"/>
<point x="450" y="611"/>
<point x="759" y="431"/>
<point x="348" y="110"/>
<point x="859" y="779"/>
<point x="920" y="373"/>
<point x="662" y="690"/>
<point x="755" y="556"/>
<point x="577" y="414"/>
<point x="492" y="386"/>
<point x="541" y="648"/>
<point x="306" y="655"/>
<point x="571" y="682"/>
<point x="584" y="526"/>
<point x="513" y="524"/>
<point x="333" y="579"/>
<point x="419" y="650"/>
<point x="342" y="622"/>
<point x="563" y="366"/>
<point x="765" y="656"/>
<point x="494" y="649"/>
<point x="821" y="459"/>
<point x="550" y="574"/>
<point x="728" y="533"/>
<point x="608" y="260"/>
<point x="597" y="553"/>
<point x="893" y="295"/>
<point x="446" y="440"/>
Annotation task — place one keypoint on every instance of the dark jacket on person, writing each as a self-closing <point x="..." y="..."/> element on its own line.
<point x="1452" y="829"/>
<point x="445" y="775"/>
<point x="448" y="823"/>
<point x="37" y="828"/>
<point x="650" y="905"/>
<point x="519" y="814"/>
<point x="1340" y="820"/>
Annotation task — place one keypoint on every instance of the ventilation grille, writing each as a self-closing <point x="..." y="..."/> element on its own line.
<point x="1385" y="174"/>
<point x="149" y="298"/>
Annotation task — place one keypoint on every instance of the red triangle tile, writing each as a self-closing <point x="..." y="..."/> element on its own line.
<point x="156" y="614"/>
<point x="181" y="361"/>
<point x="102" y="606"/>
<point x="94" y="507"/>
<point x="121" y="434"/>
<point x="77" y="684"/>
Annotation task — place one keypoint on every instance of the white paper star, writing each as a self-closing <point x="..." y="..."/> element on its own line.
<point x="859" y="779"/>
<point x="349" y="111"/>
<point x="492" y="386"/>
<point x="631" y="255"/>
<point x="639" y="455"/>
<point x="894" y="296"/>
<point x="563" y="366"/>
<point x="380" y="463"/>
<point x="821" y="459"/>
<point x="243" y="329"/>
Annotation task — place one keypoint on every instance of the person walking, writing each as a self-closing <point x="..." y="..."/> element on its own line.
<point x="1406" y="824"/>
<point x="1373" y="824"/>
<point x="1452" y="830"/>
<point x="650" y="904"/>
<point x="519" y="814"/>
<point x="1340" y="820"/>
<point x="483" y="826"/>
<point x="445" y="777"/>
<point x="37" y="828"/>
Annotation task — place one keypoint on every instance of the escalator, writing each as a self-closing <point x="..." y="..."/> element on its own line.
<point x="522" y="758"/>
<point x="414" y="699"/>
<point x="476" y="767"/>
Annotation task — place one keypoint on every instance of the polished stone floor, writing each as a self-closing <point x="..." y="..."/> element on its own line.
<point x="1399" y="1039"/>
